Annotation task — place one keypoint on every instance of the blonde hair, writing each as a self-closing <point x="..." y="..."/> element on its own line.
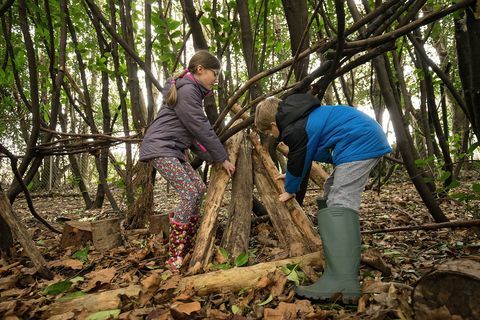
<point x="200" y="58"/>
<point x="265" y="113"/>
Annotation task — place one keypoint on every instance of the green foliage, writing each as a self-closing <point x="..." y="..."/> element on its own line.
<point x="58" y="287"/>
<point x="293" y="273"/>
<point x="82" y="254"/>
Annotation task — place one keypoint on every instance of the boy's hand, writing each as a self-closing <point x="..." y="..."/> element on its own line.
<point x="284" y="197"/>
<point x="229" y="167"/>
<point x="281" y="176"/>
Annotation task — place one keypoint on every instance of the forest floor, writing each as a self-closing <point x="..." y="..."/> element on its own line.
<point x="401" y="259"/>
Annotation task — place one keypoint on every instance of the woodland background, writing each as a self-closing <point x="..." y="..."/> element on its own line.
<point x="80" y="81"/>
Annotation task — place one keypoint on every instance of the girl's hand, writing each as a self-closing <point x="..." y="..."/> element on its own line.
<point x="284" y="197"/>
<point x="229" y="167"/>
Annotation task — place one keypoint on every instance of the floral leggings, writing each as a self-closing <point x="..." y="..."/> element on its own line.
<point x="186" y="182"/>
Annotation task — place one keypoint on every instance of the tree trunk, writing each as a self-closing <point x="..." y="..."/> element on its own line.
<point x="297" y="19"/>
<point x="248" y="47"/>
<point x="467" y="36"/>
<point x="22" y="235"/>
<point x="237" y="233"/>
<point x="203" y="250"/>
<point x="136" y="99"/>
<point x="123" y="105"/>
<point x="404" y="140"/>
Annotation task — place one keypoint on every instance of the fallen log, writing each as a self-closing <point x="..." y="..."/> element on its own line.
<point x="449" y="292"/>
<point x="22" y="235"/>
<point x="235" y="279"/>
<point x="429" y="226"/>
<point x="203" y="249"/>
<point x="91" y="303"/>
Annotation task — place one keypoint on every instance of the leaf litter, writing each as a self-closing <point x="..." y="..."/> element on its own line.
<point x="132" y="282"/>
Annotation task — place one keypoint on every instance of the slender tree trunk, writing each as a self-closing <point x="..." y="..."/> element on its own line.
<point x="297" y="19"/>
<point x="404" y="140"/>
<point x="136" y="99"/>
<point x="123" y="105"/>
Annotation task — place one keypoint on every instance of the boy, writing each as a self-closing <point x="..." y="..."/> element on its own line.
<point x="353" y="142"/>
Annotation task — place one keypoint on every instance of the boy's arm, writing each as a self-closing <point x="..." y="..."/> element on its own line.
<point x="299" y="160"/>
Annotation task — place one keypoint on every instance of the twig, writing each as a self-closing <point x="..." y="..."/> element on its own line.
<point x="429" y="226"/>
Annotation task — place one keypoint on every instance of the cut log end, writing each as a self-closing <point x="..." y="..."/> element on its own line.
<point x="449" y="292"/>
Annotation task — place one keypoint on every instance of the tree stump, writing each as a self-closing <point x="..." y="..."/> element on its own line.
<point x="103" y="234"/>
<point x="451" y="291"/>
<point x="159" y="223"/>
<point x="76" y="234"/>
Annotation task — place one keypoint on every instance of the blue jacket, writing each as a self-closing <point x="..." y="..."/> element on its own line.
<point x="331" y="134"/>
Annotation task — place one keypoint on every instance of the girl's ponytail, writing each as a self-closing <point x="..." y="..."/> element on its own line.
<point x="171" y="98"/>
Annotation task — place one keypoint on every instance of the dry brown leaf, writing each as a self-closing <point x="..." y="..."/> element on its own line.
<point x="186" y="308"/>
<point x="373" y="258"/>
<point x="284" y="311"/>
<point x="8" y="282"/>
<point x="279" y="280"/>
<point x="304" y="307"/>
<point x="263" y="282"/>
<point x="150" y="286"/>
<point x="217" y="314"/>
<point x="99" y="277"/>
<point x="67" y="263"/>
<point x="171" y="283"/>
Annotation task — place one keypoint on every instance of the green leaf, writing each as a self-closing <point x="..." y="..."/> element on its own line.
<point x="71" y="296"/>
<point x="221" y="266"/>
<point x="236" y="310"/>
<point x="103" y="315"/>
<point x="241" y="260"/>
<point x="293" y="276"/>
<point x="224" y="253"/>
<point x="269" y="299"/>
<point x="476" y="187"/>
<point x="57" y="288"/>
<point x="454" y="184"/>
<point x="445" y="175"/>
<point x="82" y="254"/>
<point x="77" y="279"/>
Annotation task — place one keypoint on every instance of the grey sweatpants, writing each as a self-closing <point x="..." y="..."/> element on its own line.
<point x="344" y="187"/>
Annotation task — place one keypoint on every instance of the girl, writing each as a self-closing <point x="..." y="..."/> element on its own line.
<point x="181" y="123"/>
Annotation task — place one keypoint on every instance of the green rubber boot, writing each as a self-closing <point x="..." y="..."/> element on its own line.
<point x="321" y="203"/>
<point x="340" y="232"/>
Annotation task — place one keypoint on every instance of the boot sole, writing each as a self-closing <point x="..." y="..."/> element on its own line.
<point x="333" y="298"/>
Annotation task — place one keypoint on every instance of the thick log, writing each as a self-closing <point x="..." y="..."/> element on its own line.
<point x="233" y="280"/>
<point x="203" y="249"/>
<point x="286" y="231"/>
<point x="449" y="292"/>
<point x="92" y="303"/>
<point x="309" y="235"/>
<point x="237" y="234"/>
<point x="22" y="235"/>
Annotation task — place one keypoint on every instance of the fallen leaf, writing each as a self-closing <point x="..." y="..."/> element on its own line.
<point x="280" y="280"/>
<point x="99" y="277"/>
<point x="186" y="308"/>
<point x="149" y="287"/>
<point x="67" y="263"/>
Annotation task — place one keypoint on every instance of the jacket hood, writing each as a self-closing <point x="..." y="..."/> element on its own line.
<point x="187" y="79"/>
<point x="294" y="108"/>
